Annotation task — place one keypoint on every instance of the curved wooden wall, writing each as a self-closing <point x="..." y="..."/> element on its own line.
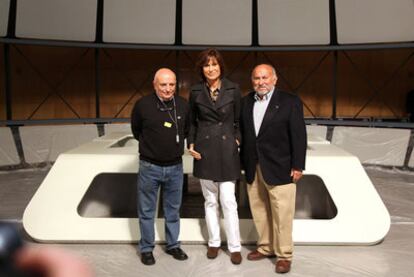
<point x="59" y="82"/>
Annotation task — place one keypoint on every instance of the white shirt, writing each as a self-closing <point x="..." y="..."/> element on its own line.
<point x="259" y="109"/>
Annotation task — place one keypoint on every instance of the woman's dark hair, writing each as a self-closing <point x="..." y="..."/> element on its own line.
<point x="203" y="59"/>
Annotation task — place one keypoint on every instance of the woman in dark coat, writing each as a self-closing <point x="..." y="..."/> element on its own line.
<point x="213" y="142"/>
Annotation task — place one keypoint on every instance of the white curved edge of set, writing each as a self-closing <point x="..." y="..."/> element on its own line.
<point x="51" y="215"/>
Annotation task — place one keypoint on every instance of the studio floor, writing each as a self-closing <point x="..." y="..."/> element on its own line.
<point x="392" y="257"/>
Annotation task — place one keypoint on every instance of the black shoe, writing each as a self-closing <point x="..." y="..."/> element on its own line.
<point x="147" y="258"/>
<point x="177" y="253"/>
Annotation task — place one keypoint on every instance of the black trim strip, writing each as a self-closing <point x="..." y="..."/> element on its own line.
<point x="348" y="47"/>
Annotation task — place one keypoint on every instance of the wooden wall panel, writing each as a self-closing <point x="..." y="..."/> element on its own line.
<point x="2" y="92"/>
<point x="52" y="82"/>
<point x="186" y="73"/>
<point x="308" y="74"/>
<point x="362" y="73"/>
<point x="126" y="75"/>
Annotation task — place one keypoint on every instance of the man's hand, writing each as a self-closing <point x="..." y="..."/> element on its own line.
<point x="296" y="175"/>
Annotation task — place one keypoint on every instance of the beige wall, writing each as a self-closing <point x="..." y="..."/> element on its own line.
<point x="127" y="74"/>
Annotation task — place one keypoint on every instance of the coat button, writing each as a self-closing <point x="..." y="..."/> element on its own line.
<point x="220" y="123"/>
<point x="207" y="137"/>
<point x="224" y="137"/>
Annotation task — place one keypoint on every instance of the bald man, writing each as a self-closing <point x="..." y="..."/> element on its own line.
<point x="273" y="154"/>
<point x="160" y="123"/>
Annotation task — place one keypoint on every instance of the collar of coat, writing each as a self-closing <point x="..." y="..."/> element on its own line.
<point x="225" y="96"/>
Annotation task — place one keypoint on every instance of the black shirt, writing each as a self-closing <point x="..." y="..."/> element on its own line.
<point x="153" y="125"/>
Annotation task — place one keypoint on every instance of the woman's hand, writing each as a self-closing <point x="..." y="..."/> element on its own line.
<point x="194" y="153"/>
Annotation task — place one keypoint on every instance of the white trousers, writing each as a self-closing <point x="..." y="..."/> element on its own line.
<point x="213" y="191"/>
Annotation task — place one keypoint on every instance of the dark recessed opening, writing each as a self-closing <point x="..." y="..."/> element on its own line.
<point x="110" y="195"/>
<point x="114" y="195"/>
<point x="313" y="200"/>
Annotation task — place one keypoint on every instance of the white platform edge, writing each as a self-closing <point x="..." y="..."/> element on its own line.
<point x="51" y="215"/>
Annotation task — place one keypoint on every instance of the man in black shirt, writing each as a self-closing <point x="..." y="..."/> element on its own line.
<point x="160" y="123"/>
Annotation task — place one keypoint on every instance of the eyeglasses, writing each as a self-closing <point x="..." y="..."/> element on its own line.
<point x="165" y="108"/>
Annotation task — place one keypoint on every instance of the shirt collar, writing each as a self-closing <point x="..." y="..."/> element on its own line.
<point x="218" y="89"/>
<point x="265" y="97"/>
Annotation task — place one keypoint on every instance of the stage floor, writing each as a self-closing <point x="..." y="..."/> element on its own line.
<point x="393" y="257"/>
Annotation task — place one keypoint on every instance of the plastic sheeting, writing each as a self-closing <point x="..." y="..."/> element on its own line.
<point x="411" y="161"/>
<point x="111" y="128"/>
<point x="379" y="146"/>
<point x="373" y="146"/>
<point x="316" y="131"/>
<point x="8" y="152"/>
<point x="392" y="257"/>
<point x="45" y="143"/>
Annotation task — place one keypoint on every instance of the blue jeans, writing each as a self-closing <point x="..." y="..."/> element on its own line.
<point x="150" y="178"/>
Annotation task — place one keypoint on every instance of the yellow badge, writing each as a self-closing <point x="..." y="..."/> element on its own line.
<point x="167" y="124"/>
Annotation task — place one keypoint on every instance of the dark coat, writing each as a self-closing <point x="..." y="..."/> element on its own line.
<point x="281" y="141"/>
<point x="214" y="130"/>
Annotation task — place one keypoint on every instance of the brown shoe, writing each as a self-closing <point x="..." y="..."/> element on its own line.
<point x="235" y="257"/>
<point x="256" y="255"/>
<point x="283" y="266"/>
<point x="212" y="252"/>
